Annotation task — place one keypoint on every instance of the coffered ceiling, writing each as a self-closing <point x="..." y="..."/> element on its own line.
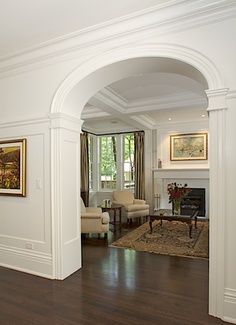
<point x="145" y="101"/>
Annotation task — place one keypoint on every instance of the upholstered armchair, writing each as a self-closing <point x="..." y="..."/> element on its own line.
<point x="93" y="220"/>
<point x="133" y="208"/>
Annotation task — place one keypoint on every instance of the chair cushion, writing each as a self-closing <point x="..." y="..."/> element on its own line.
<point x="123" y="197"/>
<point x="93" y="210"/>
<point x="82" y="206"/>
<point x="105" y="217"/>
<point x="136" y="207"/>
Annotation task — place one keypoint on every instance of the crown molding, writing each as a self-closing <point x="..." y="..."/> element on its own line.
<point x="174" y="15"/>
<point x="146" y="121"/>
<point x="100" y="132"/>
<point x="170" y="126"/>
<point x="93" y="112"/>
<point x="123" y="106"/>
<point x="112" y="99"/>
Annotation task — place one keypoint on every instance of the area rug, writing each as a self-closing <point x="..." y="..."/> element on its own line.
<point x="169" y="239"/>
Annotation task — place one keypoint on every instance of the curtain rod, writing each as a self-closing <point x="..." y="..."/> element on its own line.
<point x="103" y="134"/>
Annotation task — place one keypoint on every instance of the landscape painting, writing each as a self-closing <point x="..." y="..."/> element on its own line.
<point x="188" y="147"/>
<point x="13" y="167"/>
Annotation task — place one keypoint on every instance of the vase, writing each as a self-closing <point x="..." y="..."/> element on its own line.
<point x="176" y="207"/>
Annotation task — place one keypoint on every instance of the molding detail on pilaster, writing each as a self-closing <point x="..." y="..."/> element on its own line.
<point x="230" y="294"/>
<point x="217" y="99"/>
<point x="64" y="121"/>
<point x="231" y="94"/>
<point x="230" y="302"/>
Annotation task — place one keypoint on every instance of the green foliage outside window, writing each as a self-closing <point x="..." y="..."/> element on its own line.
<point x="129" y="160"/>
<point x="108" y="162"/>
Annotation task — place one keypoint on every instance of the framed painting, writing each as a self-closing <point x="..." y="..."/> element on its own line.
<point x="191" y="146"/>
<point x="13" y="167"/>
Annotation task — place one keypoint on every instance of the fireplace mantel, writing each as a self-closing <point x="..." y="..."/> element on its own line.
<point x="194" y="177"/>
<point x="181" y="173"/>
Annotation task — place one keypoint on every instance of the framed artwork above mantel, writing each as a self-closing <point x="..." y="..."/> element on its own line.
<point x="192" y="146"/>
<point x="13" y="167"/>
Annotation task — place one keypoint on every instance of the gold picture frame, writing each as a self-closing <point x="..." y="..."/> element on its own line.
<point x="13" y="167"/>
<point x="191" y="146"/>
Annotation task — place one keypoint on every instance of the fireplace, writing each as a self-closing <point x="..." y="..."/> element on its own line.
<point x="194" y="200"/>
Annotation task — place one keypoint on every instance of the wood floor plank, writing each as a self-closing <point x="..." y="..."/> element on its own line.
<point x="115" y="286"/>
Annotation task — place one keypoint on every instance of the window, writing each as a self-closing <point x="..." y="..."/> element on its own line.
<point x="128" y="161"/>
<point x="108" y="162"/>
<point x="111" y="162"/>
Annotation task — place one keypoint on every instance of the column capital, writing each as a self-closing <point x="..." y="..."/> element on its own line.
<point x="64" y="121"/>
<point x="217" y="99"/>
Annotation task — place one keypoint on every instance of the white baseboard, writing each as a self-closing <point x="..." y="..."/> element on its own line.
<point x="229" y="320"/>
<point x="36" y="263"/>
<point x="229" y="306"/>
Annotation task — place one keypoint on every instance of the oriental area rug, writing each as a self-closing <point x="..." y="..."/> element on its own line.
<point x="169" y="239"/>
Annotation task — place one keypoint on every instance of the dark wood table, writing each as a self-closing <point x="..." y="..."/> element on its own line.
<point x="116" y="209"/>
<point x="166" y="214"/>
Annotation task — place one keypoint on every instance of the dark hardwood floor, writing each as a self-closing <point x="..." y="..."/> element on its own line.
<point x="115" y="286"/>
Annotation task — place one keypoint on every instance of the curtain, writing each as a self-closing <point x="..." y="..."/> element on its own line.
<point x="139" y="165"/>
<point x="84" y="169"/>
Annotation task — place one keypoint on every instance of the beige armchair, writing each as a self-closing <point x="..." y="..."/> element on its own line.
<point x="93" y="220"/>
<point x="133" y="208"/>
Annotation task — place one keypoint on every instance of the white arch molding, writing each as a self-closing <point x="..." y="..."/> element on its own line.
<point x="184" y="54"/>
<point x="66" y="129"/>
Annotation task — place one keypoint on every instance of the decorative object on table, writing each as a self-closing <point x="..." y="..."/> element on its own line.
<point x="13" y="167"/>
<point x="191" y="146"/>
<point x="159" y="164"/>
<point x="170" y="239"/>
<point x="176" y="193"/>
<point x="157" y="198"/>
<point x="106" y="203"/>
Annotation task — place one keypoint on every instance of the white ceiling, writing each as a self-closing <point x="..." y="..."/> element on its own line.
<point x="145" y="101"/>
<point x="26" y="23"/>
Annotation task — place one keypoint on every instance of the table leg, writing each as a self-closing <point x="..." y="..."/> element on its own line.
<point x="195" y="222"/>
<point x="190" y="230"/>
<point x="120" y="215"/>
<point x="150" y="224"/>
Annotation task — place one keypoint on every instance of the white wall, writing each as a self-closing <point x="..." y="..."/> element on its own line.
<point x="26" y="221"/>
<point x="163" y="144"/>
<point x="187" y="173"/>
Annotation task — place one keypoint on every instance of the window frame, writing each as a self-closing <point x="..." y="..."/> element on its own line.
<point x="96" y="163"/>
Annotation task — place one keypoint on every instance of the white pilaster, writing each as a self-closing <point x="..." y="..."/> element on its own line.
<point x="65" y="192"/>
<point x="217" y="119"/>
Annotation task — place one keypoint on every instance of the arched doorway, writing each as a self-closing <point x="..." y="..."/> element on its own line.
<point x="65" y="115"/>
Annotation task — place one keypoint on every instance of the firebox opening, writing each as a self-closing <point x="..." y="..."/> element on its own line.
<point x="194" y="200"/>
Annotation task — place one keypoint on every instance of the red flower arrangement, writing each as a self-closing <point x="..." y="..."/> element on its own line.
<point x="177" y="191"/>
